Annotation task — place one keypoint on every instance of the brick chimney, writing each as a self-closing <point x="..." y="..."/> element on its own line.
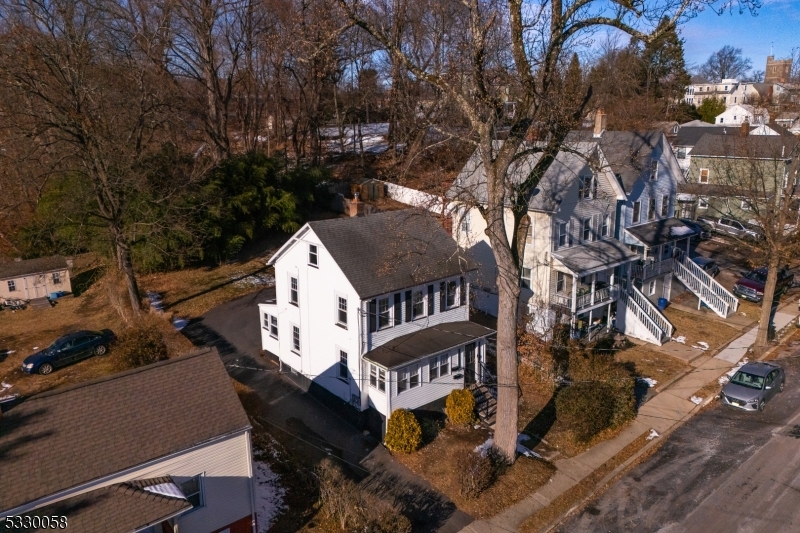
<point x="599" y="123"/>
<point x="745" y="131"/>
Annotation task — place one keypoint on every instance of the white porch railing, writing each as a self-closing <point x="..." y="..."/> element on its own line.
<point x="647" y="313"/>
<point x="707" y="289"/>
<point x="588" y="299"/>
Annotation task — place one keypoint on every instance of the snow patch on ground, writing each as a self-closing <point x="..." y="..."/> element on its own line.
<point x="696" y="400"/>
<point x="650" y="381"/>
<point x="680" y="339"/>
<point x="5" y="387"/>
<point x="483" y="449"/>
<point x="653" y="434"/>
<point x="253" y="280"/>
<point x="373" y="138"/>
<point x="269" y="495"/>
<point x="701" y="345"/>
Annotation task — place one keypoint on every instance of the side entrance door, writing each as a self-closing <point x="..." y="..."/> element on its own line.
<point x="469" y="363"/>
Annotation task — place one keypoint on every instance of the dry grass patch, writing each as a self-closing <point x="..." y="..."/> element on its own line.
<point x="25" y="332"/>
<point x="435" y="463"/>
<point x="650" y="363"/>
<point x="193" y="291"/>
<point x="701" y="329"/>
<point x="559" y="507"/>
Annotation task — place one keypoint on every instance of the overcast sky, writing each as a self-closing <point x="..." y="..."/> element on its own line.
<point x="776" y="24"/>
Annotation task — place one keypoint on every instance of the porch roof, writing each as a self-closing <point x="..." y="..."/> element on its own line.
<point x="660" y="231"/>
<point x="595" y="256"/>
<point x="424" y="342"/>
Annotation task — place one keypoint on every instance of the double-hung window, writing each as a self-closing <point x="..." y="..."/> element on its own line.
<point x="341" y="311"/>
<point x="413" y="377"/>
<point x="651" y="209"/>
<point x="273" y="326"/>
<point x="562" y="234"/>
<point x="586" y="187"/>
<point x="296" y="338"/>
<point x="525" y="280"/>
<point x="586" y="231"/>
<point x="402" y="381"/>
<point x="398" y="309"/>
<point x="439" y="366"/>
<point x="56" y="278"/>
<point x="664" y="205"/>
<point x="384" y="318"/>
<point x="561" y="282"/>
<point x="452" y="288"/>
<point x="344" y="373"/>
<point x="313" y="256"/>
<point x="637" y="211"/>
<point x="192" y="490"/>
<point x="703" y="175"/>
<point x="604" y="227"/>
<point x="377" y="378"/>
<point x="431" y="301"/>
<point x="409" y="315"/>
<point x="419" y="304"/>
<point x="653" y="169"/>
<point x="293" y="287"/>
<point x="12" y="285"/>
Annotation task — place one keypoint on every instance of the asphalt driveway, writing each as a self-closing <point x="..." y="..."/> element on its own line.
<point x="724" y="471"/>
<point x="316" y="432"/>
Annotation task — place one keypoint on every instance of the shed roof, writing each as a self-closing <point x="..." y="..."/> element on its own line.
<point x="660" y="231"/>
<point x="389" y="251"/>
<point x="70" y="436"/>
<point x="424" y="342"/>
<point x="15" y="269"/>
<point x="591" y="257"/>
<point x="118" y="508"/>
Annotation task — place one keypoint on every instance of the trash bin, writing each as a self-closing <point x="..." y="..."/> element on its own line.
<point x="662" y="304"/>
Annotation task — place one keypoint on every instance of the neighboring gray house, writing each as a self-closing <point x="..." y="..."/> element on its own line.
<point x="158" y="449"/>
<point x="35" y="278"/>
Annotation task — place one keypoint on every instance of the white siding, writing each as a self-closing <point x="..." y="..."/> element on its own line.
<point x="427" y="392"/>
<point x="268" y="342"/>
<point x="227" y="469"/>
<point x="35" y="285"/>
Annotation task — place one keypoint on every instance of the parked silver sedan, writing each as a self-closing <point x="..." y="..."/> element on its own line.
<point x="753" y="385"/>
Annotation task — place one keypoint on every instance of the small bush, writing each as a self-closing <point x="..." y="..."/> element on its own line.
<point x="403" y="432"/>
<point x="586" y="408"/>
<point x="140" y="345"/>
<point x="477" y="472"/>
<point x="460" y="404"/>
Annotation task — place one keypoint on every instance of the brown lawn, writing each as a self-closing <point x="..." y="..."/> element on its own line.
<point x="436" y="464"/>
<point x="647" y="362"/>
<point x="698" y="328"/>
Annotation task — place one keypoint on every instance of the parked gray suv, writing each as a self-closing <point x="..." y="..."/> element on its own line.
<point x="733" y="227"/>
<point x="753" y="385"/>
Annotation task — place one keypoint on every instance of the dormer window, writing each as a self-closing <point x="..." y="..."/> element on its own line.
<point x="587" y="187"/>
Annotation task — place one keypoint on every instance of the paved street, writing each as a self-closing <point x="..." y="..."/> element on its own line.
<point x="723" y="471"/>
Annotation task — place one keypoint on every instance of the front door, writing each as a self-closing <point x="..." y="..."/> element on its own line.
<point x="469" y="363"/>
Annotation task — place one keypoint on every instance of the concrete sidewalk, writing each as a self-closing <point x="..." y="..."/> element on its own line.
<point x="663" y="412"/>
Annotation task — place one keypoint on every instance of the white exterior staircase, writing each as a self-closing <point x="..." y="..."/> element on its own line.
<point x="707" y="289"/>
<point x="641" y="318"/>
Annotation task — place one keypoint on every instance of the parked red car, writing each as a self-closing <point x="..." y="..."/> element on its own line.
<point x="751" y="285"/>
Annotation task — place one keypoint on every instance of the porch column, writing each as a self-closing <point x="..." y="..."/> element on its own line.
<point x="644" y="257"/>
<point x="594" y="282"/>
<point x="608" y="317"/>
<point x="574" y="293"/>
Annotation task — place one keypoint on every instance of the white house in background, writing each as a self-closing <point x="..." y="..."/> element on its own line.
<point x="737" y="114"/>
<point x="374" y="310"/>
<point x="603" y="244"/>
<point x="163" y="448"/>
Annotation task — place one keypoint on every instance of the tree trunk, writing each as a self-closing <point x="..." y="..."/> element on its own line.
<point x="762" y="336"/>
<point x="125" y="262"/>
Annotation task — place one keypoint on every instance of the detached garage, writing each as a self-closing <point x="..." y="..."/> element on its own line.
<point x="35" y="278"/>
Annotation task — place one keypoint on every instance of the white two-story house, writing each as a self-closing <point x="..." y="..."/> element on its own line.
<point x="164" y="448"/>
<point x="603" y="238"/>
<point x="374" y="310"/>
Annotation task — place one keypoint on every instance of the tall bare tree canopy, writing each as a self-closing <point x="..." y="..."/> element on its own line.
<point x="473" y="53"/>
<point x="725" y="63"/>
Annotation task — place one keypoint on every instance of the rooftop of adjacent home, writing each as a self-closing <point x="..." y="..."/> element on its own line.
<point x="15" y="269"/>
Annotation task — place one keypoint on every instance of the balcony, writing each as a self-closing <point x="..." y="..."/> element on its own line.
<point x="652" y="269"/>
<point x="585" y="298"/>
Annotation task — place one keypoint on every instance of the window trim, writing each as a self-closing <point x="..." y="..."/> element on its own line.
<point x="297" y="345"/>
<point x="313" y="253"/>
<point x="636" y="213"/>
<point x="605" y="225"/>
<point x="56" y="278"/>
<point x="702" y="202"/>
<point x="343" y="366"/>
<point x="294" y="291"/>
<point x="414" y="304"/>
<point x="438" y="362"/>
<point x="651" y="209"/>
<point x="375" y="380"/>
<point x="560" y="235"/>
<point x="273" y="324"/>
<point x="707" y="173"/>
<point x="665" y="206"/>
<point x="452" y="294"/>
<point x="653" y="169"/>
<point x="586" y="230"/>
<point x="561" y="280"/>
<point x="12" y="285"/>
<point x="200" y="491"/>
<point x="587" y="187"/>
<point x="379" y="315"/>
<point x="339" y="298"/>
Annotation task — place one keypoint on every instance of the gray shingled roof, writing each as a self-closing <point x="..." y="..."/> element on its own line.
<point x="69" y="436"/>
<point x="470" y="184"/>
<point x="629" y="152"/>
<point x="760" y="146"/>
<point x="429" y="341"/>
<point x="660" y="231"/>
<point x="16" y="269"/>
<point x="389" y="251"/>
<point x="689" y="135"/>
<point x="588" y="258"/>
<point x="119" y="508"/>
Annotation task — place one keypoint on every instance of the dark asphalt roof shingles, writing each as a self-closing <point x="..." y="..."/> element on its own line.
<point x="389" y="251"/>
<point x="15" y="269"/>
<point x="69" y="436"/>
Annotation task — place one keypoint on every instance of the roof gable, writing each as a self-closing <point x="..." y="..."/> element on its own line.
<point x="389" y="251"/>
<point x="70" y="436"/>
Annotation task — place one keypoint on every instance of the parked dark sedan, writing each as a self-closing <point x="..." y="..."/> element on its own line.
<point x="702" y="230"/>
<point x="69" y="349"/>
<point x="708" y="265"/>
<point x="753" y="385"/>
